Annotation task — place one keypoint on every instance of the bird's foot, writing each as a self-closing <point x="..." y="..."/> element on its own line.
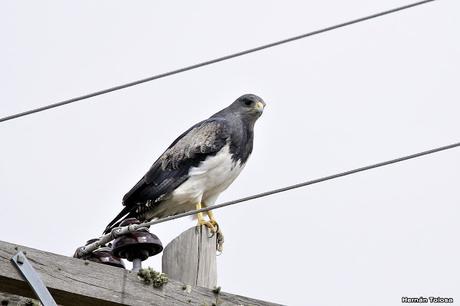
<point x="212" y="226"/>
<point x="215" y="224"/>
<point x="213" y="220"/>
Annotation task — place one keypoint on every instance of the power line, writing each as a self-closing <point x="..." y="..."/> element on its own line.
<point x="213" y="61"/>
<point x="126" y="229"/>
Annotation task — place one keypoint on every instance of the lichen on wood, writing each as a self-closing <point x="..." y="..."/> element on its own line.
<point x="152" y="277"/>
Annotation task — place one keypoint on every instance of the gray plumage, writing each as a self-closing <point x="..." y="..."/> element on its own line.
<point x="197" y="166"/>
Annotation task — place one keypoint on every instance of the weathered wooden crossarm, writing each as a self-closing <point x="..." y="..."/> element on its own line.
<point x="76" y="282"/>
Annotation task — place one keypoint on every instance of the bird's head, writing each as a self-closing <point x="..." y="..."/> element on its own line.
<point x="248" y="106"/>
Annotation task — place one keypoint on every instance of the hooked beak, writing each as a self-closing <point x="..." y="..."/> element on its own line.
<point x="260" y="106"/>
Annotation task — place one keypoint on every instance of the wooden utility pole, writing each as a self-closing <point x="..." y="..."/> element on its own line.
<point x="78" y="282"/>
<point x="191" y="258"/>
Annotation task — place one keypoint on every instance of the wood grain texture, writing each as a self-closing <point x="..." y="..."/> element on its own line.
<point x="191" y="258"/>
<point x="77" y="282"/>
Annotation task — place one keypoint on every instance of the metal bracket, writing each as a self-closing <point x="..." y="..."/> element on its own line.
<point x="34" y="280"/>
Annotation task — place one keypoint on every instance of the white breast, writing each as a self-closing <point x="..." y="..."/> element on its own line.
<point x="211" y="177"/>
<point x="206" y="182"/>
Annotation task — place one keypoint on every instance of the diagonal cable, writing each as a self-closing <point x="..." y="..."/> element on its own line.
<point x="213" y="61"/>
<point x="130" y="228"/>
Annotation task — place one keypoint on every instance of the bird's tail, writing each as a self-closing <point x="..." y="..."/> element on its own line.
<point x="124" y="214"/>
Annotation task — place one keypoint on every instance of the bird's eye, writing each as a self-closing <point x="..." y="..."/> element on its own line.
<point x="247" y="103"/>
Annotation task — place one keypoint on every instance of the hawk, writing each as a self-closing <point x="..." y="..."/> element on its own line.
<point x="197" y="167"/>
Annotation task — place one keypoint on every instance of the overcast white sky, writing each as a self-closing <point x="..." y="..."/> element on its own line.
<point x="351" y="97"/>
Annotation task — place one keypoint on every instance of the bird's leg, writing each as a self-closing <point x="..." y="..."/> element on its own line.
<point x="202" y="221"/>
<point x="212" y="219"/>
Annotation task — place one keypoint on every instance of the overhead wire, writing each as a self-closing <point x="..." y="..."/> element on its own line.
<point x="126" y="229"/>
<point x="212" y="61"/>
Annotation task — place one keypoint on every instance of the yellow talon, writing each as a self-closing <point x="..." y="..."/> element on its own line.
<point x="212" y="219"/>
<point x="212" y="224"/>
<point x="213" y="227"/>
